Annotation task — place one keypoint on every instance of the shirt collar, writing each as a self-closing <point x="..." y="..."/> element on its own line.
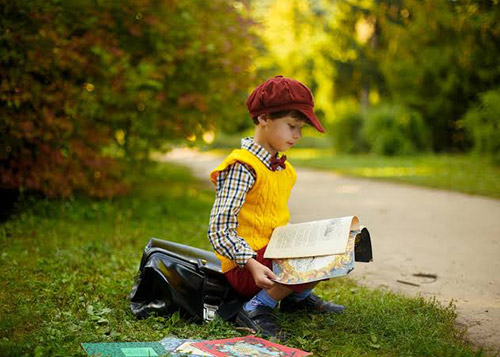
<point x="261" y="153"/>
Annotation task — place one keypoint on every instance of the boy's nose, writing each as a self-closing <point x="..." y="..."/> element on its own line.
<point x="298" y="134"/>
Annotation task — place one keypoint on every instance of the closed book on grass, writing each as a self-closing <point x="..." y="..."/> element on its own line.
<point x="247" y="346"/>
<point x="318" y="250"/>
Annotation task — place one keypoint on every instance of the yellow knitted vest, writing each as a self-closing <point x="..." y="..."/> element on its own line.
<point x="265" y="206"/>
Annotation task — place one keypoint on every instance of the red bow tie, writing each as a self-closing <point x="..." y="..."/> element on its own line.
<point x="276" y="162"/>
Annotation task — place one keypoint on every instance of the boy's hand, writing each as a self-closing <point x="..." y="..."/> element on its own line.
<point x="262" y="275"/>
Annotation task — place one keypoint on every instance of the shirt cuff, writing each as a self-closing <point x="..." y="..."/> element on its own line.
<point x="243" y="254"/>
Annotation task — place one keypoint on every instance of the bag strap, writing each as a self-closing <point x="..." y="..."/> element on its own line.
<point x="213" y="295"/>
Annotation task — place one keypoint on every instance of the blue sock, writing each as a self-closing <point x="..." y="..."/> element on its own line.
<point x="262" y="298"/>
<point x="300" y="296"/>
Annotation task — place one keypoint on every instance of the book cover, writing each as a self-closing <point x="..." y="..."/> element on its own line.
<point x="304" y="270"/>
<point x="124" y="349"/>
<point x="170" y="345"/>
<point x="247" y="346"/>
<point x="188" y="349"/>
<point x="180" y="347"/>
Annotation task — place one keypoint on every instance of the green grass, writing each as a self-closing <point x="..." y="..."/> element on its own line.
<point x="67" y="268"/>
<point x="461" y="173"/>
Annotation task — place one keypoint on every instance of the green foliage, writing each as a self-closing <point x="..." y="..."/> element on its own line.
<point x="85" y="84"/>
<point x="346" y="130"/>
<point x="437" y="56"/>
<point x="483" y="123"/>
<point x="387" y="129"/>
<point x="315" y="42"/>
<point x="395" y="130"/>
<point x="67" y="268"/>
<point x="432" y="56"/>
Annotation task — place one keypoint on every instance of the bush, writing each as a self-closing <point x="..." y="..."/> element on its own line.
<point x="346" y="129"/>
<point x="86" y="84"/>
<point x="482" y="123"/>
<point x="395" y="130"/>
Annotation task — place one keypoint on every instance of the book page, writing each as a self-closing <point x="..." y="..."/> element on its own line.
<point x="310" y="239"/>
<point x="189" y="348"/>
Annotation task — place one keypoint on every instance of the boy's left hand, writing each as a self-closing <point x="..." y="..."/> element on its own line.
<point x="262" y="275"/>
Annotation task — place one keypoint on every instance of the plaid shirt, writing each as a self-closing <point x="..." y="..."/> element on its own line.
<point x="232" y="186"/>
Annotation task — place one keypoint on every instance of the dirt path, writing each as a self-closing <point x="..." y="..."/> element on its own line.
<point x="414" y="230"/>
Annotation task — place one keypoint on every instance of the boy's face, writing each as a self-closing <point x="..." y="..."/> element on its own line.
<point x="283" y="133"/>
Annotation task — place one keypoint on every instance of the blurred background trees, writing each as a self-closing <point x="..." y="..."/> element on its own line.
<point x="427" y="59"/>
<point x="88" y="87"/>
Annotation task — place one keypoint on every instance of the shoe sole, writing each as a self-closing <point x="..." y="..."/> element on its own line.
<point x="245" y="323"/>
<point x="312" y="311"/>
<point x="239" y="321"/>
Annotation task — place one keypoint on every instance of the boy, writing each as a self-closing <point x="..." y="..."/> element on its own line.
<point x="253" y="186"/>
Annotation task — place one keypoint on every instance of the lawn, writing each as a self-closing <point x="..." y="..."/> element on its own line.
<point x="68" y="267"/>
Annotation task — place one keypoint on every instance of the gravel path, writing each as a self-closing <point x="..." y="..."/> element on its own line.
<point x="414" y="231"/>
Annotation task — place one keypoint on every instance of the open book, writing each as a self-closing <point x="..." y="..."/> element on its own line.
<point x="312" y="251"/>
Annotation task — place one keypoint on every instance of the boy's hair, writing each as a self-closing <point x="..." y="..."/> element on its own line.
<point x="296" y="114"/>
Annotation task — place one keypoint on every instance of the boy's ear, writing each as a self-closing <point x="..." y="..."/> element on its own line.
<point x="263" y="119"/>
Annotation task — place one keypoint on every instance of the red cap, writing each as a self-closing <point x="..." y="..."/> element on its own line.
<point x="281" y="93"/>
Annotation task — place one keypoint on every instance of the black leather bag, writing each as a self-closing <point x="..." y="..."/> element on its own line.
<point x="175" y="276"/>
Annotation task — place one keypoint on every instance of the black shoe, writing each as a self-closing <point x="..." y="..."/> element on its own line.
<point x="312" y="303"/>
<point x="260" y="320"/>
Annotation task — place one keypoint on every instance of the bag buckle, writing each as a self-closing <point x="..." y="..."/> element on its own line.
<point x="209" y="312"/>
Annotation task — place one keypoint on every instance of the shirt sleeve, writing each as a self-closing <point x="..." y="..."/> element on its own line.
<point x="232" y="187"/>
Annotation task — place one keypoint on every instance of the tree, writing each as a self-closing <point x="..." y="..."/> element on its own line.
<point x="430" y="56"/>
<point x="88" y="85"/>
<point x="440" y="55"/>
<point x="327" y="44"/>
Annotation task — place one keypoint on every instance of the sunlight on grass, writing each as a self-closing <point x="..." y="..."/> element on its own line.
<point x="392" y="171"/>
<point x="308" y="153"/>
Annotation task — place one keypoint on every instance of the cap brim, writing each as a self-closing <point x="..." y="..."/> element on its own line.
<point x="308" y="112"/>
<point x="305" y="109"/>
<point x="314" y="121"/>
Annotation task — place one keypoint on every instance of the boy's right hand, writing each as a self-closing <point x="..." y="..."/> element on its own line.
<point x="262" y="275"/>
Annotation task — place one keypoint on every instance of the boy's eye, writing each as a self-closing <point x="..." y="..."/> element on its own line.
<point x="291" y="126"/>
